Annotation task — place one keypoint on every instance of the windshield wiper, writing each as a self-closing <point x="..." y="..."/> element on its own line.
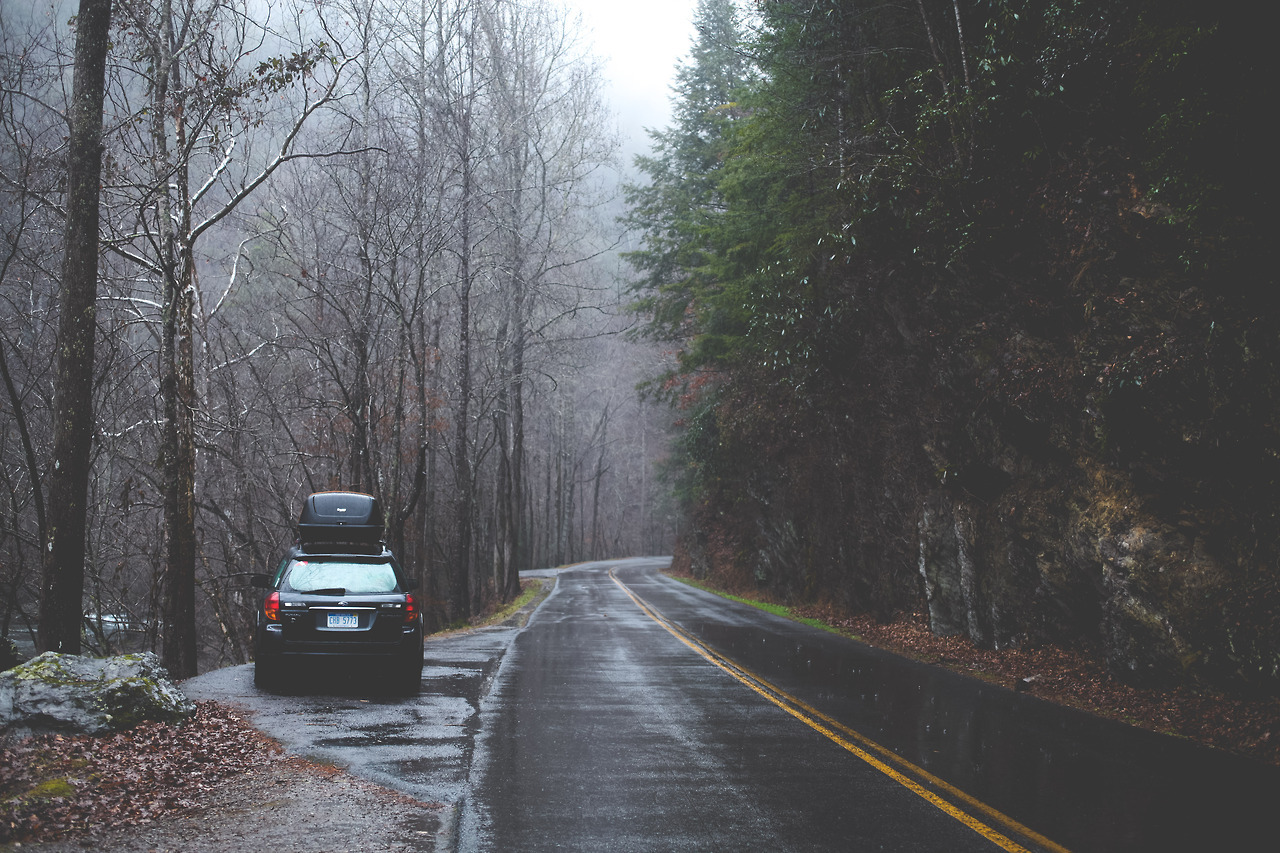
<point x="337" y="590"/>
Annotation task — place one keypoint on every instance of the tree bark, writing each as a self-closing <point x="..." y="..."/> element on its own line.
<point x="462" y="586"/>
<point x="62" y="582"/>
<point x="177" y="365"/>
<point x="178" y="651"/>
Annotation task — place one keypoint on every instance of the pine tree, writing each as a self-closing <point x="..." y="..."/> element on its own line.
<point x="674" y="214"/>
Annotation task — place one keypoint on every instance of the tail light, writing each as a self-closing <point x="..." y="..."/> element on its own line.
<point x="410" y="608"/>
<point x="271" y="607"/>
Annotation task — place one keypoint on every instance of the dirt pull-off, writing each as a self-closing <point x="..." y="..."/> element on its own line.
<point x="213" y="784"/>
<point x="287" y="805"/>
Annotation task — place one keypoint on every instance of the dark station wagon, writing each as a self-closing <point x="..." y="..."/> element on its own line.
<point x="339" y="597"/>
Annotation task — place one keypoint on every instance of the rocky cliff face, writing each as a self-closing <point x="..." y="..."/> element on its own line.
<point x="1009" y="575"/>
<point x="1090" y="561"/>
<point x="1084" y="562"/>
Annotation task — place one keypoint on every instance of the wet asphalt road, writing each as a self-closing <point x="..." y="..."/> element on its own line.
<point x="599" y="727"/>
<point x="604" y="731"/>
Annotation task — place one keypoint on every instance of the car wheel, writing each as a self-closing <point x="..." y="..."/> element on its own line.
<point x="409" y="678"/>
<point x="266" y="674"/>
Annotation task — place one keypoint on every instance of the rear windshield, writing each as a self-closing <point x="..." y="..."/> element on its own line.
<point x="336" y="577"/>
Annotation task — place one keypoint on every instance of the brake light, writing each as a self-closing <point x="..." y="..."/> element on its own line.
<point x="271" y="607"/>
<point x="410" y="608"/>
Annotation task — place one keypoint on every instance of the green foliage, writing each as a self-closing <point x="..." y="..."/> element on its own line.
<point x="1001" y="239"/>
<point x="768" y="607"/>
<point x="690" y="470"/>
<point x="675" y="213"/>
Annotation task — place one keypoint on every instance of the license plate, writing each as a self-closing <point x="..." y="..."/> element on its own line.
<point x="344" y="620"/>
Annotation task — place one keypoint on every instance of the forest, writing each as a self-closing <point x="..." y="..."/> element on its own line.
<point x="957" y="310"/>
<point x="356" y="244"/>
<point x="974" y="311"/>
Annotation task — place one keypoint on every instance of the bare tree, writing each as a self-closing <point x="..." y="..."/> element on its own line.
<point x="552" y="144"/>
<point x="199" y="114"/>
<point x="422" y="313"/>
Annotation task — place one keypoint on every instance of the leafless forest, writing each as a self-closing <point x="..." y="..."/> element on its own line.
<point x="359" y="244"/>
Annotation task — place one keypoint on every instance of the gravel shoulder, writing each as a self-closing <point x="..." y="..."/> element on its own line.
<point x="289" y="804"/>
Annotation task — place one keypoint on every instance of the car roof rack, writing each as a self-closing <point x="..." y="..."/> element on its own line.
<point x="342" y="549"/>
<point x="345" y="520"/>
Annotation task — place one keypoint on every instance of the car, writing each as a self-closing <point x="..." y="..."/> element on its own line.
<point x="339" y="597"/>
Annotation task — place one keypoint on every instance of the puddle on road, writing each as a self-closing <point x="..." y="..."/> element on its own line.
<point x="429" y="768"/>
<point x="450" y="672"/>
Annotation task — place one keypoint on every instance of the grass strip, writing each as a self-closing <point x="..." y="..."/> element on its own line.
<point x="767" y="606"/>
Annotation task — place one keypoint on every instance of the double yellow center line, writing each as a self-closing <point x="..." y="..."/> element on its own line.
<point x="974" y="814"/>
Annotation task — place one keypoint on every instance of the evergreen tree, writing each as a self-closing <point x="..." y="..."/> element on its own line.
<point x="944" y="256"/>
<point x="675" y="213"/>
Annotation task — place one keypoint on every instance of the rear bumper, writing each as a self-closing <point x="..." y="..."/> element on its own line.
<point x="269" y="642"/>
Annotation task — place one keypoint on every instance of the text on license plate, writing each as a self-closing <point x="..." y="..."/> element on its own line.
<point x="344" y="620"/>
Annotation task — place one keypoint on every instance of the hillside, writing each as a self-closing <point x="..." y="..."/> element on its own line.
<point x="974" y="315"/>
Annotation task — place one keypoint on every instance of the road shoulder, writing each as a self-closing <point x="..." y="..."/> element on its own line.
<point x="288" y="804"/>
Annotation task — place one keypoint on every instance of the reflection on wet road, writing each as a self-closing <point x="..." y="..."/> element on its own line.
<point x="419" y="745"/>
<point x="1086" y="783"/>
<point x="604" y="730"/>
<point x="996" y="827"/>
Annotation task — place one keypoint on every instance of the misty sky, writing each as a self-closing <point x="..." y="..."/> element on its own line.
<point x="639" y="44"/>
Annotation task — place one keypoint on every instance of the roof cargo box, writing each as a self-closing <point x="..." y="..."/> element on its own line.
<point x="340" y="517"/>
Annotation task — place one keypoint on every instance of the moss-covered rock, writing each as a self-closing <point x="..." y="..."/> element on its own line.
<point x="54" y="692"/>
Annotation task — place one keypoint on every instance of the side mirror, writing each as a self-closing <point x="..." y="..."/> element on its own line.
<point x="260" y="581"/>
<point x="409" y="585"/>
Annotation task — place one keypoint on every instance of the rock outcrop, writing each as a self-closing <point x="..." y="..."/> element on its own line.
<point x="81" y="695"/>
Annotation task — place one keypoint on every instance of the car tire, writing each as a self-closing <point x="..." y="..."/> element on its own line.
<point x="266" y="674"/>
<point x="409" y="678"/>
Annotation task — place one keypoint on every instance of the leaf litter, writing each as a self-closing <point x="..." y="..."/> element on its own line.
<point x="55" y="784"/>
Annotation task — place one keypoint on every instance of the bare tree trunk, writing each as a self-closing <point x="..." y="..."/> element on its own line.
<point x="62" y="585"/>
<point x="964" y="50"/>
<point x="549" y="553"/>
<point x="509" y="426"/>
<point x="504" y="521"/>
<point x="518" y="546"/>
<point x="28" y="452"/>
<point x="430" y="549"/>
<point x="177" y="387"/>
<point x="177" y="367"/>
<point x="461" y="587"/>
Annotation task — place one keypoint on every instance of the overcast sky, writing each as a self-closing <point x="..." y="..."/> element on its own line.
<point x="639" y="42"/>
